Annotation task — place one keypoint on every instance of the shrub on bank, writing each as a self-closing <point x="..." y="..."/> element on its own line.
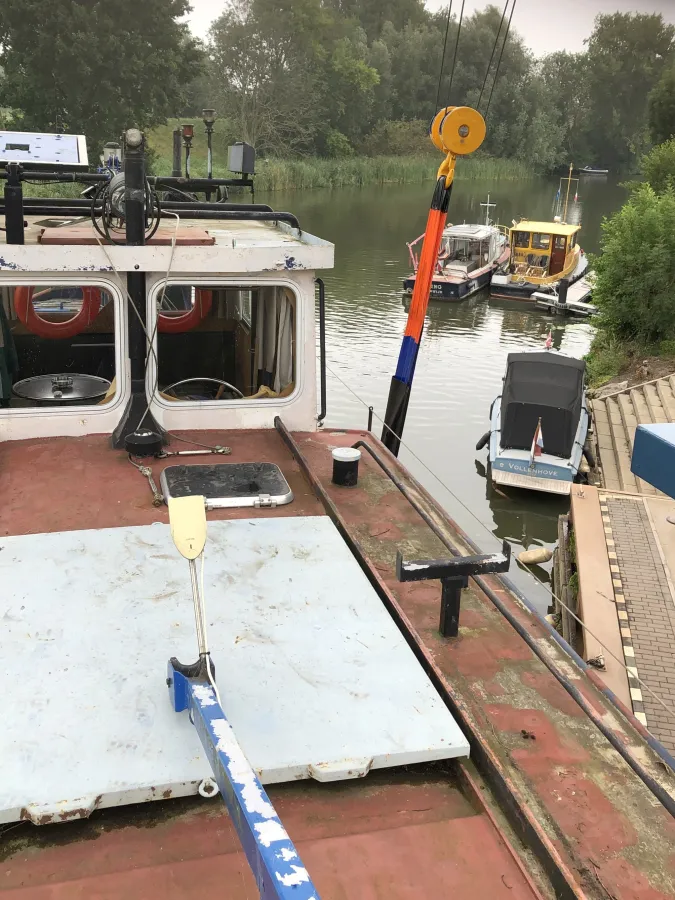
<point x="635" y="286"/>
<point x="658" y="166"/>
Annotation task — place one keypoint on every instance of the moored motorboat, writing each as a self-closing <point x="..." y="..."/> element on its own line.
<point x="468" y="257"/>
<point x="543" y="253"/>
<point x="592" y="170"/>
<point x="538" y="424"/>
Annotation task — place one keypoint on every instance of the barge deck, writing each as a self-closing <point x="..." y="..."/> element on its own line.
<point x="566" y="793"/>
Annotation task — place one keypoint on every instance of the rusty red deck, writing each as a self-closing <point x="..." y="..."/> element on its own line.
<point x="419" y="833"/>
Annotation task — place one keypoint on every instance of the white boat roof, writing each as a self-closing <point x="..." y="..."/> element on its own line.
<point x="471" y="232"/>
<point x="237" y="246"/>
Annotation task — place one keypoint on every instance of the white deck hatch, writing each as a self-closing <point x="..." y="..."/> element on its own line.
<point x="314" y="675"/>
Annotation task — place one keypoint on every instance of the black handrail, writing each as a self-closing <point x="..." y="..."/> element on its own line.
<point x="322" y="347"/>
<point x="213" y="213"/>
<point x="83" y="203"/>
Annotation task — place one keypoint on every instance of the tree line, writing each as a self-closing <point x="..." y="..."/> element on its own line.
<point x="338" y="77"/>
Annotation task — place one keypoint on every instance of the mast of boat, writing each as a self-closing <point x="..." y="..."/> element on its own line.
<point x="567" y="195"/>
<point x="487" y="210"/>
<point x="455" y="131"/>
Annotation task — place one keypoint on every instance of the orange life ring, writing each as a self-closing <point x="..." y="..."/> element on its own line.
<point x="190" y="319"/>
<point x="23" y="304"/>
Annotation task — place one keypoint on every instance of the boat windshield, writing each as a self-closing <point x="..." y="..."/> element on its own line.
<point x="544" y="386"/>
<point x="464" y="251"/>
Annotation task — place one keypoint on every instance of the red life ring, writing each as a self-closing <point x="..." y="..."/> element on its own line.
<point x="23" y="304"/>
<point x="190" y="319"/>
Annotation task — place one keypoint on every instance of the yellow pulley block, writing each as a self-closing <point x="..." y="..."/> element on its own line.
<point x="456" y="131"/>
<point x="435" y="128"/>
<point x="462" y="130"/>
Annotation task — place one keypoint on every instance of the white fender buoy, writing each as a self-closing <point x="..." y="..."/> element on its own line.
<point x="537" y="555"/>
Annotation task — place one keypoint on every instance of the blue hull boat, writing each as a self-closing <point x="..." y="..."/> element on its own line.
<point x="539" y="423"/>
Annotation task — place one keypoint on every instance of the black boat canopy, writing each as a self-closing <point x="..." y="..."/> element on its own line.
<point x="544" y="386"/>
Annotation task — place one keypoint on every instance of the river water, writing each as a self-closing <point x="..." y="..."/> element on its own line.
<point x="464" y="347"/>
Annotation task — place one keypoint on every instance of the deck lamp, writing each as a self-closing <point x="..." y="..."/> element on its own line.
<point x="188" y="132"/>
<point x="209" y="118"/>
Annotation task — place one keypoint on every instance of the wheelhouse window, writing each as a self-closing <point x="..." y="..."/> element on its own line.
<point x="541" y="241"/>
<point x="226" y="343"/>
<point x="522" y="239"/>
<point x="559" y="242"/>
<point x="57" y="346"/>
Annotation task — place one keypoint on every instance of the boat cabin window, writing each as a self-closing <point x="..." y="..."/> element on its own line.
<point x="559" y="242"/>
<point x="541" y="241"/>
<point x="226" y="343"/>
<point x="57" y="345"/>
<point x="573" y="241"/>
<point x="522" y="239"/>
<point x="467" y="253"/>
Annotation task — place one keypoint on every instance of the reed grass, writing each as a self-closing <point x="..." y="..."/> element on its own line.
<point x="357" y="171"/>
<point x="305" y="173"/>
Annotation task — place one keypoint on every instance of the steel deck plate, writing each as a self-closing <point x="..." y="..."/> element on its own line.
<point x="315" y="677"/>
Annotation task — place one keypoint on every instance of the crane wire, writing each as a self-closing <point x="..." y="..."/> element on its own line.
<point x="454" y="57"/>
<point x="499" y="61"/>
<point x="492" y="55"/>
<point x="669" y="709"/>
<point x="445" y="44"/>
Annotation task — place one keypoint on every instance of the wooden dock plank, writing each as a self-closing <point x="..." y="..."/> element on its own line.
<point x="653" y="400"/>
<point x="622" y="450"/>
<point x="596" y="592"/>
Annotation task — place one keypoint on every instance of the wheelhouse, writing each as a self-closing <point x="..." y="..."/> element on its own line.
<point x="229" y="316"/>
<point x="544" y="250"/>
<point x="468" y="247"/>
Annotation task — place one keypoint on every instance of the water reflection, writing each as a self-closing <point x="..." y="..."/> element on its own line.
<point x="465" y="345"/>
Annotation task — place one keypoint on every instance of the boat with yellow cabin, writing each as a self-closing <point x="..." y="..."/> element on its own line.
<point x="542" y="255"/>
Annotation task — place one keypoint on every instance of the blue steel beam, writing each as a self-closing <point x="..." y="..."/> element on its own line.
<point x="654" y="456"/>
<point x="274" y="861"/>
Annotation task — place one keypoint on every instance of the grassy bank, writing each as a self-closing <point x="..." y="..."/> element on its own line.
<point x="302" y="173"/>
<point x="357" y="171"/>
<point x="611" y="360"/>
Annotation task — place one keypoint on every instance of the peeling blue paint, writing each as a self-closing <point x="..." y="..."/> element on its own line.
<point x="291" y="263"/>
<point x="6" y="264"/>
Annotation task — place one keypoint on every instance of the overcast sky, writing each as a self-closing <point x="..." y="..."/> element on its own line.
<point x="545" y="26"/>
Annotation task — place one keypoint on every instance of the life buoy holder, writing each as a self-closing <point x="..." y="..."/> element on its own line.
<point x="189" y="320"/>
<point x="25" y="310"/>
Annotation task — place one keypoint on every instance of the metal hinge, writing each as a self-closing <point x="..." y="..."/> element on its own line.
<point x="264" y="501"/>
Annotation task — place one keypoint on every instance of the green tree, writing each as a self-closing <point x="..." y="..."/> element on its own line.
<point x="93" y="67"/>
<point x="661" y="106"/>
<point x="372" y="14"/>
<point x="636" y="271"/>
<point x="658" y="166"/>
<point x="566" y="78"/>
<point x="289" y="74"/>
<point x="627" y="53"/>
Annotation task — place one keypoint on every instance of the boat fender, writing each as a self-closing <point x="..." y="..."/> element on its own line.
<point x="190" y="319"/>
<point x="23" y="304"/>
<point x="589" y="457"/>
<point x="537" y="555"/>
<point x="483" y="441"/>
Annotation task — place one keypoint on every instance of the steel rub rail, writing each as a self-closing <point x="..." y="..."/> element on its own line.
<point x="521" y="817"/>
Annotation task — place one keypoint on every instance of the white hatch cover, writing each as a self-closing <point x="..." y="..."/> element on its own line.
<point x="314" y="675"/>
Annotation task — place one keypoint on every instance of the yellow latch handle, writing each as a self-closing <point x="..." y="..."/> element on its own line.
<point x="187" y="516"/>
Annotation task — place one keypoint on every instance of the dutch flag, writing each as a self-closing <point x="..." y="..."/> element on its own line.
<point x="537" y="443"/>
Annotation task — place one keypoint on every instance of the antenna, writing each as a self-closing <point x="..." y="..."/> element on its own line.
<point x="487" y="210"/>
